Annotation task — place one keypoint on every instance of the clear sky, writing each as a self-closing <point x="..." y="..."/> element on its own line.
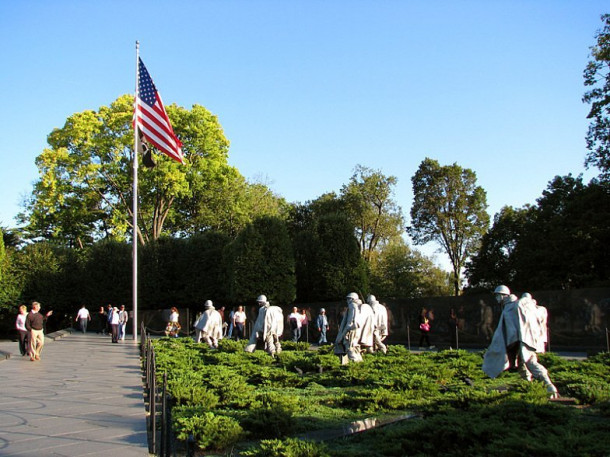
<point x="306" y="90"/>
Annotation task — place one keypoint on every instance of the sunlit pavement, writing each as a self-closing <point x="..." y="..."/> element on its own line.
<point x="83" y="398"/>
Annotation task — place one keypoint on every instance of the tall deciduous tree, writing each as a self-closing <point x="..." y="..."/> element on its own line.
<point x="368" y="200"/>
<point x="84" y="192"/>
<point x="597" y="79"/>
<point x="449" y="209"/>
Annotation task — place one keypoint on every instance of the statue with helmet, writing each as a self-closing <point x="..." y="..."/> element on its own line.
<point x="268" y="328"/>
<point x="516" y="340"/>
<point x="380" y="324"/>
<point x="209" y="326"/>
<point x="355" y="331"/>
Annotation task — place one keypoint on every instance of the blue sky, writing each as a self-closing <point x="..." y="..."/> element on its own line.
<point x="306" y="90"/>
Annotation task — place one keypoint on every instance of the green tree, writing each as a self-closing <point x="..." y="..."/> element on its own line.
<point x="339" y="267"/>
<point x="494" y="263"/>
<point x="107" y="274"/>
<point x="566" y="244"/>
<point x="9" y="290"/>
<point x="398" y="271"/>
<point x="368" y="201"/>
<point x="85" y="188"/>
<point x="562" y="242"/>
<point x="597" y="79"/>
<point x="261" y="261"/>
<point x="202" y="268"/>
<point x="449" y="209"/>
<point x="327" y="253"/>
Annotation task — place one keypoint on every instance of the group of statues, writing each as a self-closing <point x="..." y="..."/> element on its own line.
<point x="519" y="336"/>
<point x="363" y="328"/>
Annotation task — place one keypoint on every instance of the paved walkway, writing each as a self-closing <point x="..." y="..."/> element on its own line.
<point x="84" y="398"/>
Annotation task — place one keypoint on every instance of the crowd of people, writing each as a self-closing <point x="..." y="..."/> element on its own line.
<point x="521" y="332"/>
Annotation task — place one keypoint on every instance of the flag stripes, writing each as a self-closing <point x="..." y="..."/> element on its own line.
<point x="151" y="118"/>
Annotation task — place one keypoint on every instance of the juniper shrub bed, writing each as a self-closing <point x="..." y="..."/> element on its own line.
<point x="236" y="403"/>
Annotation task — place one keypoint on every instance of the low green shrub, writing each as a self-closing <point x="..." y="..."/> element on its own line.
<point x="274" y="417"/>
<point x="464" y="413"/>
<point x="207" y="429"/>
<point x="301" y="346"/>
<point x="290" y="447"/>
<point x="190" y="389"/>
<point x="228" y="345"/>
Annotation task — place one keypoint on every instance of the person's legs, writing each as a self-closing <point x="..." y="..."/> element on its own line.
<point x="36" y="343"/>
<point x="115" y="333"/>
<point x="22" y="342"/>
<point x="538" y="371"/>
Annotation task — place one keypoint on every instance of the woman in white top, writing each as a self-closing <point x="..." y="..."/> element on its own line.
<point x="173" y="326"/>
<point x="239" y="322"/>
<point x="23" y="332"/>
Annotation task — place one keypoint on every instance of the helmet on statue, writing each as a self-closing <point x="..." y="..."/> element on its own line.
<point x="503" y="290"/>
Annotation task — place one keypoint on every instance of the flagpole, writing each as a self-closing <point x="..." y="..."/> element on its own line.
<point x="135" y="209"/>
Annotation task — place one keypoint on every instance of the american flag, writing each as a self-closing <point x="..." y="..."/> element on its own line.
<point x="151" y="118"/>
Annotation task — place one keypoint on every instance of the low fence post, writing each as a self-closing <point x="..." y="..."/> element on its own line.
<point x="607" y="340"/>
<point x="152" y="402"/>
<point x="164" y="419"/>
<point x="457" y="338"/>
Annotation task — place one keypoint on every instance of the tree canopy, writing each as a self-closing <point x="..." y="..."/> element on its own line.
<point x="562" y="242"/>
<point x="450" y="209"/>
<point x="85" y="194"/>
<point x="368" y="201"/>
<point x="597" y="80"/>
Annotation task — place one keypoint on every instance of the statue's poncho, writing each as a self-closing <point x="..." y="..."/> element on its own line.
<point x="269" y="324"/>
<point x="518" y="323"/>
<point x="210" y="324"/>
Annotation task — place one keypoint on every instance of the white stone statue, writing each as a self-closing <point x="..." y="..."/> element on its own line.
<point x="269" y="327"/>
<point x="380" y="322"/>
<point x="347" y="343"/>
<point x="516" y="340"/>
<point x="209" y="326"/>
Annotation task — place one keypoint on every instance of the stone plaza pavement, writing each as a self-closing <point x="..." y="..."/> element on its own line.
<point x="84" y="398"/>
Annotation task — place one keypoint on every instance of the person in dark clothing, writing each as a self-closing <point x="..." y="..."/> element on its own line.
<point x="34" y="323"/>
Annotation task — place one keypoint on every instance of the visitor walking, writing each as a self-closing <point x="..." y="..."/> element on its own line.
<point x="424" y="328"/>
<point x="34" y="323"/>
<point x="295" y="321"/>
<point x="123" y="318"/>
<point x="239" y="323"/>
<point x="83" y="317"/>
<point x="322" y="326"/>
<point x="23" y="331"/>
<point x="114" y="324"/>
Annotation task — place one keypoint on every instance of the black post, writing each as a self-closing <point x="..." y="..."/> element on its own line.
<point x="164" y="419"/>
<point x="152" y="402"/>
